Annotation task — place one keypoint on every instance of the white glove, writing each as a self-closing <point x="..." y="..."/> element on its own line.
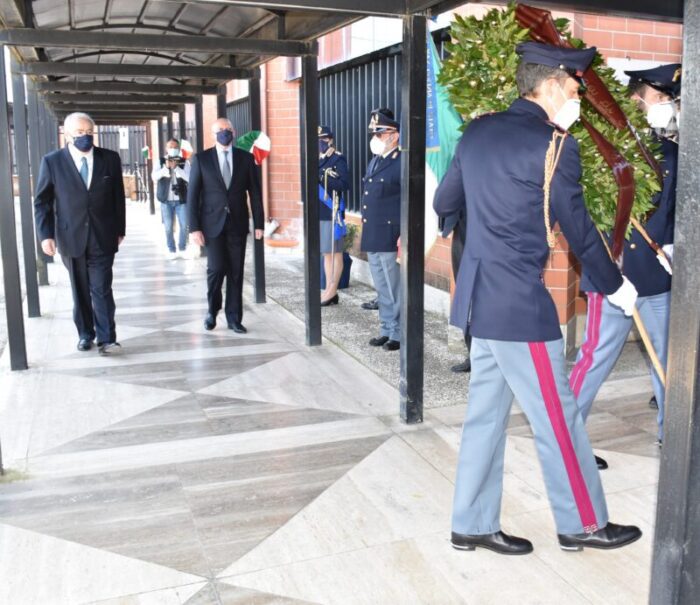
<point x="668" y="249"/>
<point x="624" y="297"/>
<point x="663" y="261"/>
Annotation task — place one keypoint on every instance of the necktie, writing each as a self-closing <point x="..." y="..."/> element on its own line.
<point x="84" y="170"/>
<point x="226" y="170"/>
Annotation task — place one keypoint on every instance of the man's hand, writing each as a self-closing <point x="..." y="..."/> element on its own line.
<point x="197" y="238"/>
<point x="49" y="247"/>
<point x="624" y="297"/>
<point x="259" y="234"/>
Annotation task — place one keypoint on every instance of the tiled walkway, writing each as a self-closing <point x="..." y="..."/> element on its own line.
<point x="212" y="468"/>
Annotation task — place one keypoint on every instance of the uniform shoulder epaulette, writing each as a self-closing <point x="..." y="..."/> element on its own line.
<point x="487" y="113"/>
<point x="336" y="152"/>
<point x="395" y="154"/>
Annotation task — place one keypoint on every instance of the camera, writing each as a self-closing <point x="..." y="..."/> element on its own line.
<point x="179" y="189"/>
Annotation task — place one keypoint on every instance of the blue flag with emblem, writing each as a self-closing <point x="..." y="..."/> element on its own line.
<point x="339" y="227"/>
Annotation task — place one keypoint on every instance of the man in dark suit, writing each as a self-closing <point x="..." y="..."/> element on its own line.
<point x="221" y="180"/>
<point x="498" y="178"/>
<point x="79" y="209"/>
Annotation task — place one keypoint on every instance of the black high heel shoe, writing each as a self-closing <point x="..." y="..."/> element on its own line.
<point x="331" y="301"/>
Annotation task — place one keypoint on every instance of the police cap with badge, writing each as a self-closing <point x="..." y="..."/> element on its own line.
<point x="573" y="61"/>
<point x="325" y="132"/>
<point x="664" y="78"/>
<point x="382" y="120"/>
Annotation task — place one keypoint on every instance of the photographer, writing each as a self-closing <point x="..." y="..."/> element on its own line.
<point x="171" y="190"/>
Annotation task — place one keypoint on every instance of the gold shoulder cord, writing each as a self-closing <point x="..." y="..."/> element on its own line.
<point x="551" y="159"/>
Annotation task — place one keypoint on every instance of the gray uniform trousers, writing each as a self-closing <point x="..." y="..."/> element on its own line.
<point x="607" y="328"/>
<point x="386" y="274"/>
<point x="536" y="374"/>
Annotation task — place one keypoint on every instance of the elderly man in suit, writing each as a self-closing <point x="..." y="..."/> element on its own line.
<point x="221" y="180"/>
<point x="79" y="209"/>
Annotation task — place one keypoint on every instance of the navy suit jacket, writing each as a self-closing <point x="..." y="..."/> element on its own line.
<point x="339" y="164"/>
<point x="498" y="174"/>
<point x="209" y="202"/>
<point x="639" y="262"/>
<point x="381" y="204"/>
<point x="66" y="210"/>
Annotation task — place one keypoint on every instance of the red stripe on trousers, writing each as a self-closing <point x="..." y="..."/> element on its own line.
<point x="550" y="395"/>
<point x="583" y="365"/>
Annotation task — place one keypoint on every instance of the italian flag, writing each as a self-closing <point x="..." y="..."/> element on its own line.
<point x="186" y="149"/>
<point x="443" y="131"/>
<point x="146" y="153"/>
<point x="257" y="143"/>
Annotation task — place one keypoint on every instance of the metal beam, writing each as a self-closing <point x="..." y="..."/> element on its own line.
<point x="8" y="239"/>
<point x="413" y="83"/>
<point x="19" y="118"/>
<point x="309" y="99"/>
<point x="54" y="38"/>
<point x="116" y="87"/>
<point x="676" y="560"/>
<point x="258" y="245"/>
<point x="160" y="110"/>
<point x="115" y="100"/>
<point x="387" y="8"/>
<point x="51" y="68"/>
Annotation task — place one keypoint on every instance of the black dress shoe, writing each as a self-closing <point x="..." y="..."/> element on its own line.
<point x="465" y="366"/>
<point x="601" y="463"/>
<point x="609" y="537"/>
<point x="209" y="322"/>
<point x="372" y="305"/>
<point x="237" y="327"/>
<point x="391" y="345"/>
<point x="378" y="341"/>
<point x="653" y="403"/>
<point x="498" y="542"/>
<point x="85" y="344"/>
<point x="333" y="300"/>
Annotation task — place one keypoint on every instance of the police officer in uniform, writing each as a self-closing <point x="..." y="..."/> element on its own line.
<point x="517" y="173"/>
<point x="607" y="327"/>
<point x="334" y="178"/>
<point x="381" y="224"/>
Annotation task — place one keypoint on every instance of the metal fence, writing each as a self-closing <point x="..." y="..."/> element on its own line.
<point x="239" y="113"/>
<point x="349" y="91"/>
<point x="129" y="147"/>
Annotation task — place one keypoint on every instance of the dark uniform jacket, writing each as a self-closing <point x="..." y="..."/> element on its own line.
<point x="337" y="163"/>
<point x="209" y="202"/>
<point x="498" y="172"/>
<point x="381" y="204"/>
<point x="639" y="262"/>
<point x="67" y="211"/>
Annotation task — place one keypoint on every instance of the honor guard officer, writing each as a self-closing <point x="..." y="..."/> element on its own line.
<point x="381" y="224"/>
<point x="334" y="178"/>
<point x="506" y="174"/>
<point x="607" y="327"/>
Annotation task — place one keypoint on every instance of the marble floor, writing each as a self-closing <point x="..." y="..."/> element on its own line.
<point x="212" y="468"/>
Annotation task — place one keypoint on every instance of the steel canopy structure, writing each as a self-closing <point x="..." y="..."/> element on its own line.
<point x="124" y="61"/>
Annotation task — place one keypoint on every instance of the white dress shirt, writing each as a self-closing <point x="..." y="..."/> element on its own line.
<point x="220" y="154"/>
<point x="78" y="156"/>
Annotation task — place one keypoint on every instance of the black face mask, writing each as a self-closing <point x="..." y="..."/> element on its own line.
<point x="84" y="142"/>
<point x="323" y="145"/>
<point x="224" y="137"/>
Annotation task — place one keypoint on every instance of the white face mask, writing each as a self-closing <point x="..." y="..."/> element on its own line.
<point x="660" y="114"/>
<point x="568" y="113"/>
<point x="376" y="145"/>
<point x="173" y="152"/>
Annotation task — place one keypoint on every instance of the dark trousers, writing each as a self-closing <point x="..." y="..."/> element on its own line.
<point x="459" y="237"/>
<point x="91" y="284"/>
<point x="225" y="259"/>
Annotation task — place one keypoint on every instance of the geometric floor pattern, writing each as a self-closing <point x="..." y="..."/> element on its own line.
<point x="212" y="468"/>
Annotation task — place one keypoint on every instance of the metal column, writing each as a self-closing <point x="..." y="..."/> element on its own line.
<point x="35" y="161"/>
<point x="221" y="102"/>
<point x="309" y="186"/>
<point x="170" y="127"/>
<point x="676" y="561"/>
<point x="8" y="237"/>
<point x="19" y="117"/>
<point x="412" y="216"/>
<point x="199" y="125"/>
<point x="161" y="137"/>
<point x="258" y="245"/>
<point x="149" y="168"/>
